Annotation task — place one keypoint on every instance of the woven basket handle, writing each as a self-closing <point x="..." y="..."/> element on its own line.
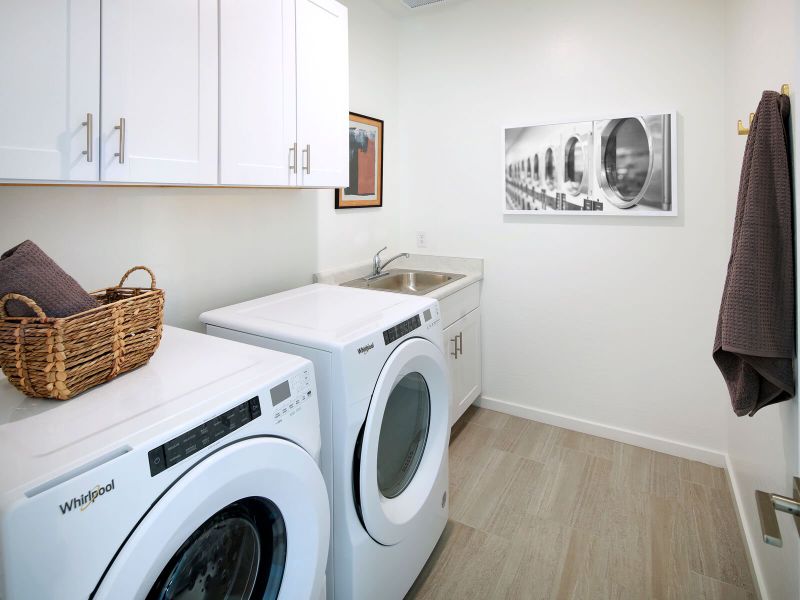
<point x="25" y="300"/>
<point x="139" y="268"/>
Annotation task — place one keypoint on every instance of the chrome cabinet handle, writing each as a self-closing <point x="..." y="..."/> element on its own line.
<point x="454" y="353"/>
<point x="307" y="153"/>
<point x="293" y="158"/>
<point x="460" y="345"/>
<point x="89" y="124"/>
<point x="121" y="153"/>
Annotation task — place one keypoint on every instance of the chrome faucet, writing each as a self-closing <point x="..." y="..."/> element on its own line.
<point x="378" y="266"/>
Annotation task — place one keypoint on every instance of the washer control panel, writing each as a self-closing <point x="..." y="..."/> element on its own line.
<point x="202" y="436"/>
<point x="289" y="397"/>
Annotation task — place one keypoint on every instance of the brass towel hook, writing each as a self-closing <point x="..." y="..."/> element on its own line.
<point x="742" y="130"/>
<point x="745" y="130"/>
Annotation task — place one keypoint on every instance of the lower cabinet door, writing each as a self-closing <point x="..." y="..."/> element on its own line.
<point x="463" y="343"/>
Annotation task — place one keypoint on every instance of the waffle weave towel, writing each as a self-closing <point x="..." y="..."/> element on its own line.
<point x="755" y="340"/>
<point x="27" y="270"/>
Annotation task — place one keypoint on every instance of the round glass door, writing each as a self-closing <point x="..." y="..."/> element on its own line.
<point x="574" y="165"/>
<point x="238" y="553"/>
<point x="550" y="168"/>
<point x="401" y="451"/>
<point x="221" y="529"/>
<point x="404" y="431"/>
<point x="627" y="159"/>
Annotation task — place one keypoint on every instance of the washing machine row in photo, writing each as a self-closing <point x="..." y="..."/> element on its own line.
<point x="620" y="165"/>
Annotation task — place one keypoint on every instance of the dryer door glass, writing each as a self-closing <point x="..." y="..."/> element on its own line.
<point x="550" y="168"/>
<point x="626" y="158"/>
<point x="238" y="553"/>
<point x="574" y="165"/>
<point x="404" y="431"/>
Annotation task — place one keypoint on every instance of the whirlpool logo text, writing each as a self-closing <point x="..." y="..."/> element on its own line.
<point x="84" y="501"/>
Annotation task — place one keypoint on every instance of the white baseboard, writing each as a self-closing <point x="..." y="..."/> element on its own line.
<point x="634" y="438"/>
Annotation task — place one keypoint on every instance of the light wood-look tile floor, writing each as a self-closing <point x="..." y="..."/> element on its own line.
<point x="542" y="512"/>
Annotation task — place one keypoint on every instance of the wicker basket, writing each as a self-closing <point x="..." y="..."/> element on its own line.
<point x="61" y="357"/>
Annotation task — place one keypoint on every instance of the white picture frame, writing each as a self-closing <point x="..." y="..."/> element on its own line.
<point x="615" y="165"/>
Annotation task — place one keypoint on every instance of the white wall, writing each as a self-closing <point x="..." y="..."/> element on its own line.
<point x="212" y="247"/>
<point x="604" y="319"/>
<point x="352" y="236"/>
<point x="760" y="54"/>
<point x="208" y="247"/>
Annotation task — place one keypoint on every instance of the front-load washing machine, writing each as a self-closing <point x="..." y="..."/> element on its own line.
<point x="552" y="175"/>
<point x="576" y="159"/>
<point x="632" y="162"/>
<point x="384" y="407"/>
<point x="195" y="476"/>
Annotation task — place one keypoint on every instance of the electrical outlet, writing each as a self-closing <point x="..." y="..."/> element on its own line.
<point x="422" y="239"/>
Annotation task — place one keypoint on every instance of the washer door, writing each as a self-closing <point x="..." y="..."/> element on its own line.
<point x="576" y="171"/>
<point x="625" y="161"/>
<point x="550" y="169"/>
<point x="249" y="521"/>
<point x="404" y="439"/>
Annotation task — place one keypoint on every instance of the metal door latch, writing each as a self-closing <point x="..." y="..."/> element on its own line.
<point x="768" y="504"/>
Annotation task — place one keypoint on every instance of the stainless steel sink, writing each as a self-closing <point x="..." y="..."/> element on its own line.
<point x="405" y="281"/>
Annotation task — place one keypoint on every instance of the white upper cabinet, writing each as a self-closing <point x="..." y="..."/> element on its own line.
<point x="284" y="93"/>
<point x="257" y="92"/>
<point x="160" y="91"/>
<point x="203" y="92"/>
<point x="49" y="83"/>
<point x="322" y="93"/>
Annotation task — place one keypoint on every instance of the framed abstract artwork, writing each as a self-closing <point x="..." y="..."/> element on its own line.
<point x="365" y="164"/>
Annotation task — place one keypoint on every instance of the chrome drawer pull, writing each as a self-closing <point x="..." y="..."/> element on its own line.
<point x="89" y="124"/>
<point x="121" y="153"/>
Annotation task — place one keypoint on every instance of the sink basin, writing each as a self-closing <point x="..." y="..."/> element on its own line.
<point x="415" y="283"/>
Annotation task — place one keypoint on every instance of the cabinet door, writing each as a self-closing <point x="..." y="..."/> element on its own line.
<point x="463" y="343"/>
<point x="49" y="83"/>
<point x="322" y="92"/>
<point x="451" y="354"/>
<point x="257" y="93"/>
<point x="159" y="91"/>
<point x="470" y="362"/>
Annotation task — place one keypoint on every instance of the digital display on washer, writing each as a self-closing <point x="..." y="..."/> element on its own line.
<point x="401" y="329"/>
<point x="280" y="393"/>
<point x="202" y="436"/>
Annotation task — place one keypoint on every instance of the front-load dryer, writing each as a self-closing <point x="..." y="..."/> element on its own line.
<point x="384" y="404"/>
<point x="632" y="162"/>
<point x="576" y="166"/>
<point x="195" y="476"/>
<point x="552" y="174"/>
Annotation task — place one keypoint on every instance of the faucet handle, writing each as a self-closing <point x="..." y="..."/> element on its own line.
<point x="381" y="250"/>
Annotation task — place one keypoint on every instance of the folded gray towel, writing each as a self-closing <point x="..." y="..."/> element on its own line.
<point x="27" y="270"/>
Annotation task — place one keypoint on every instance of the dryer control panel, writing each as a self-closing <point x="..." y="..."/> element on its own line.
<point x="289" y="397"/>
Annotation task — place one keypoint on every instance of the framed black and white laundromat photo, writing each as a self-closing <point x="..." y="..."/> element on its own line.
<point x="625" y="165"/>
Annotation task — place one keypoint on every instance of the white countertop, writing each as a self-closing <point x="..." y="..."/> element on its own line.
<point x="471" y="268"/>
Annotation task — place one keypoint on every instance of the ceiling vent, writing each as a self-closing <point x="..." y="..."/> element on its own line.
<point x="420" y="3"/>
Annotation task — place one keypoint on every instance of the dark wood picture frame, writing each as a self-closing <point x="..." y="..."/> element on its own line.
<point x="344" y="200"/>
